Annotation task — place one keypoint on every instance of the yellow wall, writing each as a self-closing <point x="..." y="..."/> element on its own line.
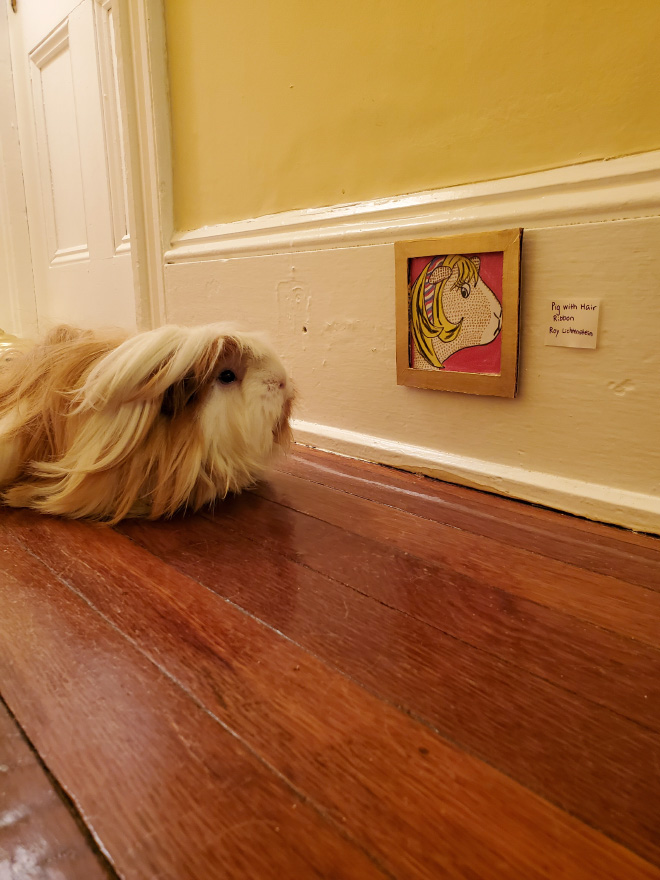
<point x="295" y="103"/>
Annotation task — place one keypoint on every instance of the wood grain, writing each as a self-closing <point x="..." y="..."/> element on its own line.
<point x="168" y="791"/>
<point x="617" y="672"/>
<point x="605" y="601"/>
<point x="39" y="837"/>
<point x="423" y="808"/>
<point x="542" y="735"/>
<point x="604" y="549"/>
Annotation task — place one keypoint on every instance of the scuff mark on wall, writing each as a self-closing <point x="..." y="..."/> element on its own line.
<point x="293" y="303"/>
<point x="625" y="386"/>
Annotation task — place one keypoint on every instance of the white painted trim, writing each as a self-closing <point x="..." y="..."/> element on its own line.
<point x="633" y="510"/>
<point x="590" y="192"/>
<point x="76" y="254"/>
<point x="113" y="133"/>
<point x="141" y="51"/>
<point x="124" y="247"/>
<point x="51" y="45"/>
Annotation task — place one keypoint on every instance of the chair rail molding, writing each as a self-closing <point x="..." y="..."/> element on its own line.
<point x="610" y="189"/>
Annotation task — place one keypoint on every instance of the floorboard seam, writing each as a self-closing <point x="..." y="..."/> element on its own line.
<point x="325" y="816"/>
<point x="405" y="711"/>
<point x="426" y="562"/>
<point x="94" y="844"/>
<point x="421" y="622"/>
<point x="482" y="515"/>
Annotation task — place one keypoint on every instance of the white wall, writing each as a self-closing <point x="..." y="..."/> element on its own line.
<point x="582" y="435"/>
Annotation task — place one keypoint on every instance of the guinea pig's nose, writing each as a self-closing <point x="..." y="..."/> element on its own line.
<point x="276" y="382"/>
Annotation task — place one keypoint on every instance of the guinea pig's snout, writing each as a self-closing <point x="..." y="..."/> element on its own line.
<point x="280" y="385"/>
<point x="275" y="383"/>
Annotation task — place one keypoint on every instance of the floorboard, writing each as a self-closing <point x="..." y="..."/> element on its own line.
<point x="169" y="791"/>
<point x="542" y="735"/>
<point x="606" y="601"/>
<point x="389" y="779"/>
<point x="598" y="548"/>
<point x="449" y="502"/>
<point x="350" y="672"/>
<point x="40" y="838"/>
<point x="606" y="667"/>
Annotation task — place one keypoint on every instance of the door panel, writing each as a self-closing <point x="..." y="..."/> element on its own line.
<point x="74" y="162"/>
<point x="60" y="174"/>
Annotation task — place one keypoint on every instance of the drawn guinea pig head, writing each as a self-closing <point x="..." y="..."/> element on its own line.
<point x="452" y="308"/>
<point x="468" y="301"/>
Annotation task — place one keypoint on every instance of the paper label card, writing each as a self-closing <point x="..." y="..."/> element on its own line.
<point x="573" y="323"/>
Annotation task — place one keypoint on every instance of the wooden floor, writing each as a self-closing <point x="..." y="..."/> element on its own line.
<point x="348" y="673"/>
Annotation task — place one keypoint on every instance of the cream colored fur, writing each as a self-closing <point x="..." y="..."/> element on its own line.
<point x="101" y="428"/>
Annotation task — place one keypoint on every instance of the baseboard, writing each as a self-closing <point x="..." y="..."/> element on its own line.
<point x="613" y="189"/>
<point x="632" y="510"/>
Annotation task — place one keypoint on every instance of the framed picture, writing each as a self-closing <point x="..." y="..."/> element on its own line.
<point x="457" y="312"/>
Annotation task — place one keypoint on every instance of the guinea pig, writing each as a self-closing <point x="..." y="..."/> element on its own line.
<point x="167" y="420"/>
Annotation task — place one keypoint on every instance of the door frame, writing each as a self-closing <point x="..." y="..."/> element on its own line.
<point x="144" y="93"/>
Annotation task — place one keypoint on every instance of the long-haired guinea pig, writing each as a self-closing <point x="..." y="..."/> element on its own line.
<point x="167" y="420"/>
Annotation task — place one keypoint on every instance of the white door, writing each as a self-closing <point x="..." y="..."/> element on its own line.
<point x="74" y="161"/>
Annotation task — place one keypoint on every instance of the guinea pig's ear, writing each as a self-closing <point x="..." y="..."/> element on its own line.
<point x="171" y="360"/>
<point x="438" y="274"/>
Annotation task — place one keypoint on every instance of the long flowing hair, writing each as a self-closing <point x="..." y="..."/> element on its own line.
<point x="427" y="318"/>
<point x="106" y="428"/>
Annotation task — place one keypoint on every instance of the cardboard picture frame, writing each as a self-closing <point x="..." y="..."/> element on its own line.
<point x="448" y="291"/>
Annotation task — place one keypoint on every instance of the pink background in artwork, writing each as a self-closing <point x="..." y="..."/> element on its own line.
<point x="478" y="358"/>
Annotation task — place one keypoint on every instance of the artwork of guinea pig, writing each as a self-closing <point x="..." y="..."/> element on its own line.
<point x="451" y="308"/>
<point x="167" y="420"/>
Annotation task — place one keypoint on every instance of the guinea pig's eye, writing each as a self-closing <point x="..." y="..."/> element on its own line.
<point x="227" y="377"/>
<point x="465" y="291"/>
